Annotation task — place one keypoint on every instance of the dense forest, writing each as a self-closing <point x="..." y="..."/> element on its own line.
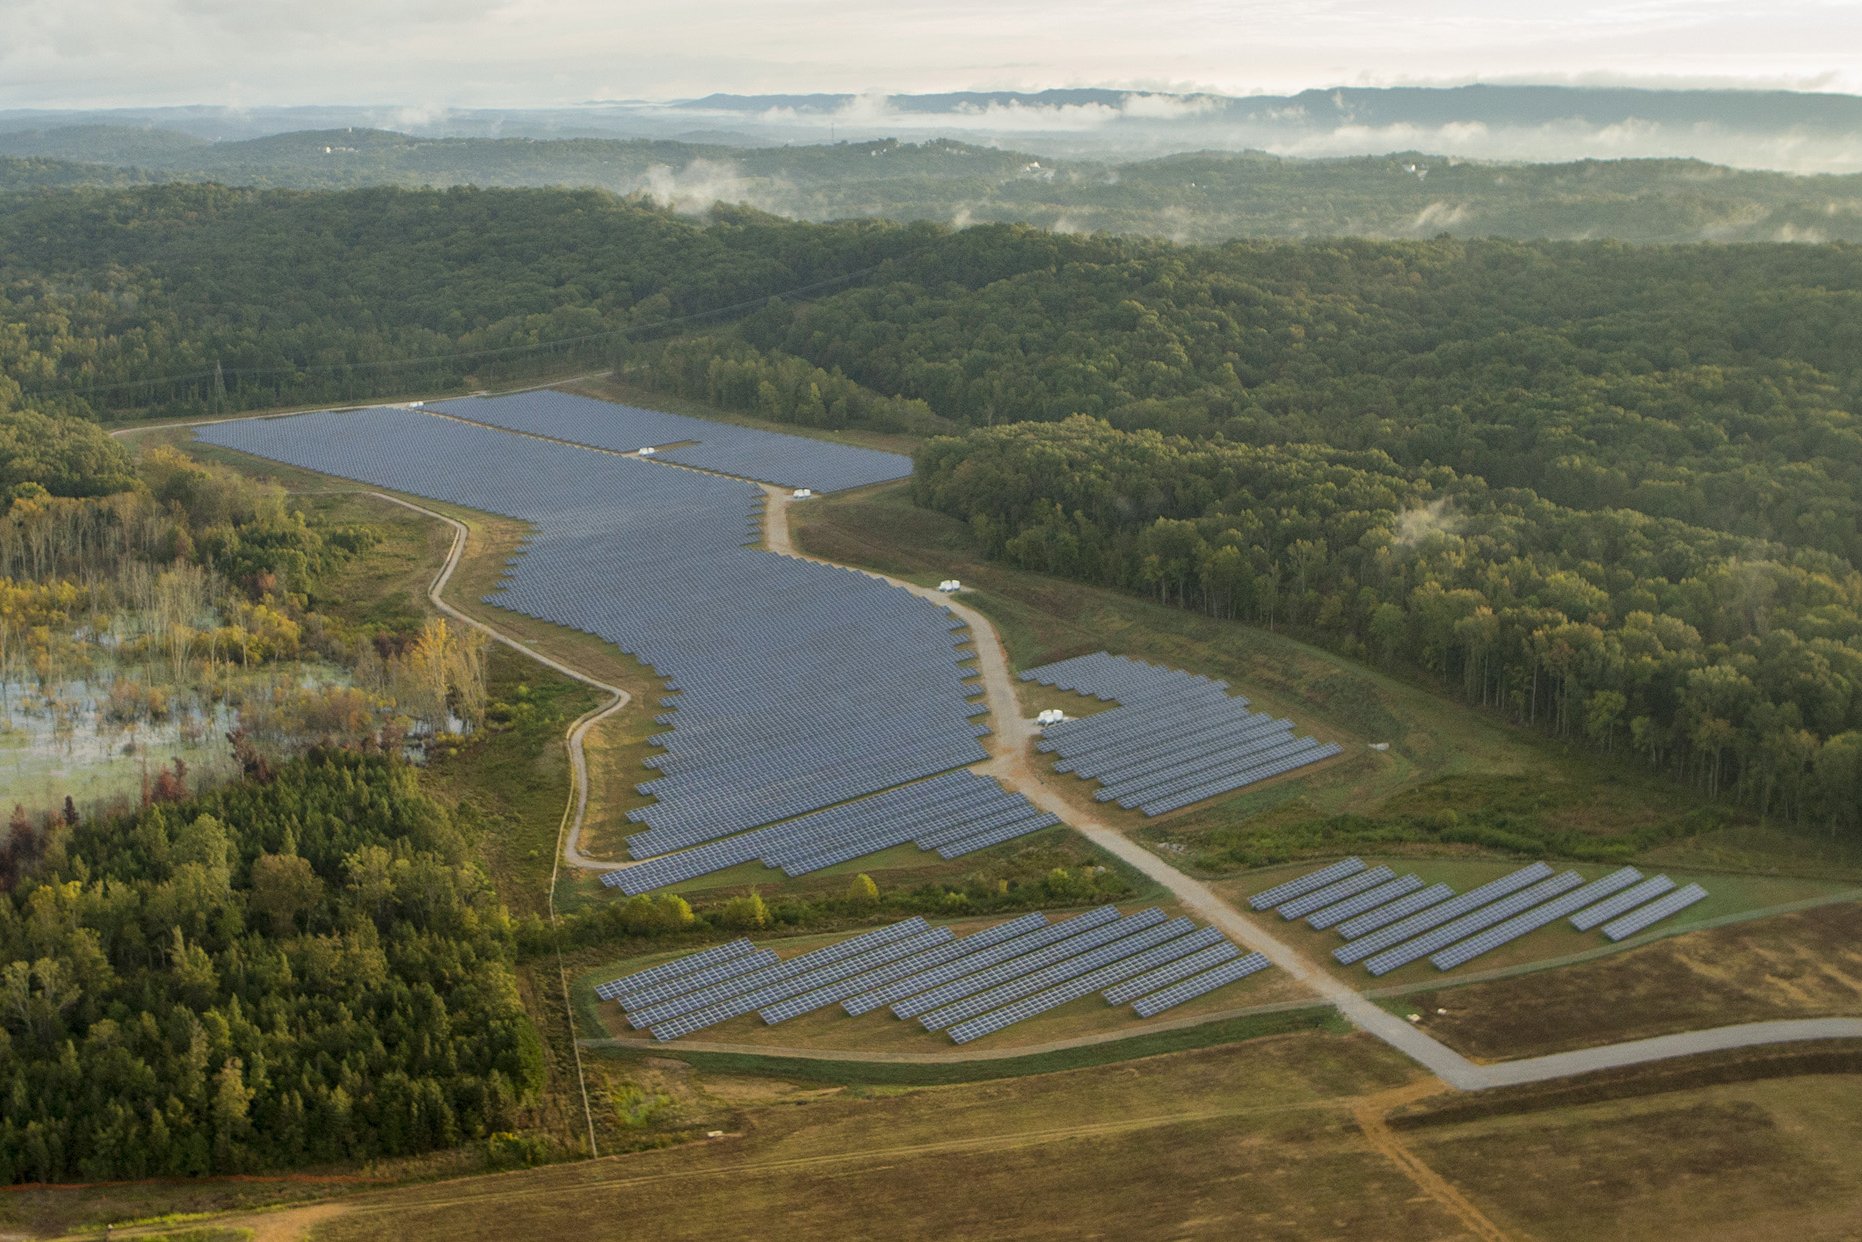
<point x="308" y="967"/>
<point x="187" y="299"/>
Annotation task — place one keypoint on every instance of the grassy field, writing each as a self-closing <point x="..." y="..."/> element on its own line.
<point x="1804" y="964"/>
<point x="1259" y="1139"/>
<point x="1751" y="1160"/>
<point x="1453" y="777"/>
<point x="1256" y="1139"/>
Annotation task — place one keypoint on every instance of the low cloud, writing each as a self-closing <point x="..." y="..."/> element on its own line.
<point x="702" y="184"/>
<point x="1420" y="524"/>
<point x="1440" y="215"/>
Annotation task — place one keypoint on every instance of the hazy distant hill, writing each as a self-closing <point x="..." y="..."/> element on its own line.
<point x="1190" y="196"/>
<point x="1785" y="130"/>
<point x="1383" y="106"/>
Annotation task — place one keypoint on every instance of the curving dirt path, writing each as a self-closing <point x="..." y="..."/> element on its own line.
<point x="1372" y="1115"/>
<point x="569" y="840"/>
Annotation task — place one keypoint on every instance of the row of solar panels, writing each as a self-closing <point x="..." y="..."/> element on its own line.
<point x="793" y="686"/>
<point x="1389" y="921"/>
<point x="791" y="461"/>
<point x="1175" y="739"/>
<point x="954" y="814"/>
<point x="967" y="986"/>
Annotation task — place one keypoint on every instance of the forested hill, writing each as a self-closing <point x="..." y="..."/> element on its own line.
<point x="128" y="301"/>
<point x="1199" y="196"/>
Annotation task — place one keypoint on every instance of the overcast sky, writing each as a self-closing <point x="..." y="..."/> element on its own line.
<point x="441" y="53"/>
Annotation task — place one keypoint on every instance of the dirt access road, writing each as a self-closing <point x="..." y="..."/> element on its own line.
<point x="1011" y="746"/>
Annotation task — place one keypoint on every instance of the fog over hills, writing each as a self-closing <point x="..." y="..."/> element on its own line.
<point x="1781" y="130"/>
<point x="1544" y="163"/>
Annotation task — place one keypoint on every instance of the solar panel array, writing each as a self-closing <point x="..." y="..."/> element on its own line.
<point x="1401" y="908"/>
<point x="1436" y="915"/>
<point x="1623" y="902"/>
<point x="1174" y="739"/>
<point x="1390" y="922"/>
<point x="790" y="461"/>
<point x="1318" y="899"/>
<point x="983" y="957"/>
<point x="954" y="814"/>
<point x="1531" y="920"/>
<point x="972" y="986"/>
<point x="1199" y="985"/>
<point x="796" y="686"/>
<point x="1303" y="884"/>
<point x="1134" y="939"/>
<point x="631" y="985"/>
<point x="1382" y="895"/>
<point x="1072" y="989"/>
<point x="1474" y="921"/>
<point x="1653" y="913"/>
<point x="1170" y="972"/>
<point x="1016" y="968"/>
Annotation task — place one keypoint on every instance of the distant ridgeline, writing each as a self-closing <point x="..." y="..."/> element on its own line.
<point x="1479" y="161"/>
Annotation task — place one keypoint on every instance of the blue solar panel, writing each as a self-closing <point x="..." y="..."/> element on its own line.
<point x="899" y="944"/>
<point x="741" y="985"/>
<point x="971" y="987"/>
<point x="1531" y="920"/>
<point x="667" y="971"/>
<point x="1016" y="967"/>
<point x="937" y="945"/>
<point x="1305" y="883"/>
<point x="788" y="460"/>
<point x="1175" y="738"/>
<point x="1401" y="908"/>
<point x="1653" y="913"/>
<point x="1436" y="915"/>
<point x="1170" y="972"/>
<point x="1622" y="902"/>
<point x="1078" y="985"/>
<point x="1382" y="895"/>
<point x="1319" y="898"/>
<point x="698" y="980"/>
<point x="1477" y="920"/>
<point x="1135" y="940"/>
<point x="984" y="955"/>
<point x="1199" y="985"/>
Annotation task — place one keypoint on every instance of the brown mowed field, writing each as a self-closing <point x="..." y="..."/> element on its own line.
<point x="1254" y="1140"/>
<point x="1744" y="1162"/>
<point x="1800" y="965"/>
